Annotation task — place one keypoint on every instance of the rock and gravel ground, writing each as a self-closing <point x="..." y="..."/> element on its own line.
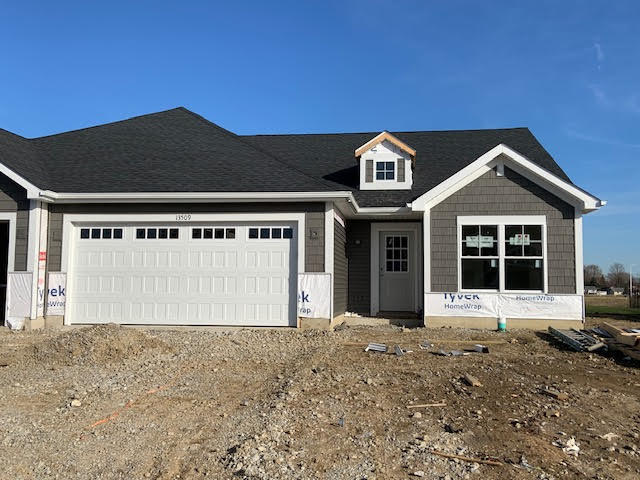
<point x="111" y="402"/>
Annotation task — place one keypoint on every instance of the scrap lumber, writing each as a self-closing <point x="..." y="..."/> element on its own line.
<point x="628" y="338"/>
<point x="556" y="394"/>
<point x="427" y="405"/>
<point x="467" y="459"/>
<point x="471" y="380"/>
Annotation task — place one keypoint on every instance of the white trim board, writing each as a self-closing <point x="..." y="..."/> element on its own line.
<point x="32" y="190"/>
<point x="563" y="189"/>
<point x="11" y="218"/>
<point x="329" y="240"/>
<point x="376" y="228"/>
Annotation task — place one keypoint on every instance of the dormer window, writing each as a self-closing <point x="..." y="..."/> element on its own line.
<point x="386" y="163"/>
<point x="385" y="170"/>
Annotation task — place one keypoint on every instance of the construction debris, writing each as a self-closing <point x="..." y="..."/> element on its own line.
<point x="471" y="380"/>
<point x="398" y="351"/>
<point x="577" y="340"/>
<point x="555" y="394"/>
<point x="481" y="348"/>
<point x="425" y="345"/>
<point x="376" y="347"/>
<point x="428" y="405"/>
<point x="571" y="447"/>
<point x="625" y="336"/>
<point x="467" y="459"/>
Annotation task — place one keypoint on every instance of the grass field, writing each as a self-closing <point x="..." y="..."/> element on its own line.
<point x="610" y="305"/>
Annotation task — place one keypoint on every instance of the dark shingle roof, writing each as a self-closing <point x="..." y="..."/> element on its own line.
<point x="179" y="151"/>
<point x="171" y="151"/>
<point x="440" y="154"/>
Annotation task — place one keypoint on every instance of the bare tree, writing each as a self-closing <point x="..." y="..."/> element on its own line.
<point x="593" y="276"/>
<point x="617" y="275"/>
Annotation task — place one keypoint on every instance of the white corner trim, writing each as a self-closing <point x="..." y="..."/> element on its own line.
<point x="35" y="218"/>
<point x="486" y="161"/>
<point x="426" y="251"/>
<point x="376" y="228"/>
<point x="579" y="260"/>
<point x="329" y="239"/>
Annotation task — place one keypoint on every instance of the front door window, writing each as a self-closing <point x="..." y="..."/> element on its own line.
<point x="397" y="253"/>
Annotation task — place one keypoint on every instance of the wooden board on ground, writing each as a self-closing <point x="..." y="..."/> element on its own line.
<point x="627" y="338"/>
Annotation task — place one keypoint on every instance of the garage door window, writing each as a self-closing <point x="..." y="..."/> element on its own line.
<point x="276" y="233"/>
<point x="209" y="233"/>
<point x="101" y="233"/>
<point x="155" y="233"/>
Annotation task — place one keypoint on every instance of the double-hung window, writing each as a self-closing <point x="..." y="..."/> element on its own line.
<point x="502" y="254"/>
<point x="385" y="170"/>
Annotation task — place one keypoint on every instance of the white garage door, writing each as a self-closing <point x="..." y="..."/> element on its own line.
<point x="195" y="274"/>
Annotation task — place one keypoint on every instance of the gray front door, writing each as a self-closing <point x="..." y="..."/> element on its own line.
<point x="396" y="271"/>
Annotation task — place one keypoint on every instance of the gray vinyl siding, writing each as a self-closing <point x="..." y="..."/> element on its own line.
<point x="359" y="266"/>
<point x="340" y="269"/>
<point x="511" y="194"/>
<point x="13" y="198"/>
<point x="314" y="242"/>
<point x="368" y="171"/>
<point x="314" y="220"/>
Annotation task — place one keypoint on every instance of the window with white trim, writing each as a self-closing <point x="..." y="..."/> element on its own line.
<point x="480" y="258"/>
<point x="523" y="260"/>
<point x="385" y="170"/>
<point x="500" y="256"/>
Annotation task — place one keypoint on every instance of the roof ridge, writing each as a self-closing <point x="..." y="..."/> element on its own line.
<point x="254" y="147"/>
<point x="389" y="131"/>
<point x="76" y="130"/>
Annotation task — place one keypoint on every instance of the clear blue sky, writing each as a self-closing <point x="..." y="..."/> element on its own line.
<point x="570" y="71"/>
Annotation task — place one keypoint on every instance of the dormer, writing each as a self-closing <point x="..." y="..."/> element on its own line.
<point x="386" y="163"/>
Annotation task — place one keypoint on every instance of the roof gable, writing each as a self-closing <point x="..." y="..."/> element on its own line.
<point x="381" y="137"/>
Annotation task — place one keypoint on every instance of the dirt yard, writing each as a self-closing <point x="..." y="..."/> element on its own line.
<point x="117" y="403"/>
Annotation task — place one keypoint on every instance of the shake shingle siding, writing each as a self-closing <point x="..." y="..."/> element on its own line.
<point x="314" y="242"/>
<point x="511" y="194"/>
<point x="13" y="198"/>
<point x="340" y="269"/>
<point x="359" y="266"/>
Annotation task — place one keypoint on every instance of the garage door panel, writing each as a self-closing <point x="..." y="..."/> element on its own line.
<point x="235" y="280"/>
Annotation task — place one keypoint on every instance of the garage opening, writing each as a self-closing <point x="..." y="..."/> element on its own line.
<point x="4" y="264"/>
<point x="192" y="273"/>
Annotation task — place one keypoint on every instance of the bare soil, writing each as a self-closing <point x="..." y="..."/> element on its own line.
<point x="119" y="403"/>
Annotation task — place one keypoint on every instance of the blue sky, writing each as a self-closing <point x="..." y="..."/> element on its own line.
<point x="568" y="70"/>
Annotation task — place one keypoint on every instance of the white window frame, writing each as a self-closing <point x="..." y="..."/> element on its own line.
<point x="375" y="170"/>
<point x="500" y="221"/>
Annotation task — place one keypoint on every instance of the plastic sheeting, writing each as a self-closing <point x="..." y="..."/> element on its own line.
<point x="314" y="295"/>
<point x="19" y="286"/>
<point x="521" y="305"/>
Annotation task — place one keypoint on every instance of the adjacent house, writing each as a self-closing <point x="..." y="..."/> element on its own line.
<point x="616" y="291"/>
<point x="590" y="290"/>
<point x="168" y="218"/>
